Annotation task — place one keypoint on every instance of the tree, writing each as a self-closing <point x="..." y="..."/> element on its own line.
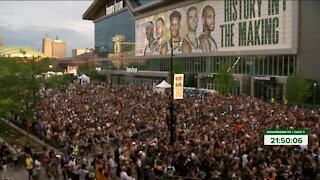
<point x="190" y="80"/>
<point x="89" y="70"/>
<point x="298" y="89"/>
<point x="17" y="86"/>
<point x="46" y="64"/>
<point x="177" y="67"/>
<point x="56" y="81"/>
<point x="224" y="81"/>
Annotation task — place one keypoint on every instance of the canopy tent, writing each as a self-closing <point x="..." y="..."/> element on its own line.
<point x="83" y="79"/>
<point x="164" y="85"/>
<point x="160" y="88"/>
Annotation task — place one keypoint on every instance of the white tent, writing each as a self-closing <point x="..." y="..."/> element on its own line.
<point x="164" y="85"/>
<point x="83" y="79"/>
<point x="160" y="88"/>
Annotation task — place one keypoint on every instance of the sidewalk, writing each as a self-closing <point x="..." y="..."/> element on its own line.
<point x="31" y="136"/>
<point x="22" y="174"/>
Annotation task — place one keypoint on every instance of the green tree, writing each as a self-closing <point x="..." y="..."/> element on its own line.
<point x="18" y="86"/>
<point x="89" y="70"/>
<point x="190" y="80"/>
<point x="298" y="89"/>
<point x="177" y="67"/>
<point x="46" y="64"/>
<point x="224" y="81"/>
<point x="56" y="81"/>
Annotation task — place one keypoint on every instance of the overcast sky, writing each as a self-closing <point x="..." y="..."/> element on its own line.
<point x="26" y="23"/>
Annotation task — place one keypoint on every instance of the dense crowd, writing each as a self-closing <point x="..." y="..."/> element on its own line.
<point x="217" y="137"/>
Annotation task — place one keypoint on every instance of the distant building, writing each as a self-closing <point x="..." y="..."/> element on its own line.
<point x="47" y="47"/>
<point x="19" y="51"/>
<point x="56" y="48"/>
<point x="59" y="49"/>
<point x="77" y="52"/>
<point x="121" y="48"/>
<point x="1" y="42"/>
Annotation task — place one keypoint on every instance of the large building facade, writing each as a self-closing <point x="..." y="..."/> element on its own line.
<point x="1" y="42"/>
<point x="262" y="41"/>
<point x="54" y="48"/>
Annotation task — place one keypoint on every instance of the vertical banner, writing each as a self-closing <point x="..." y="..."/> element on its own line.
<point x="178" y="86"/>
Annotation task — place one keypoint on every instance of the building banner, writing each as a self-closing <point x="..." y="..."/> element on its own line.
<point x="178" y="86"/>
<point x="220" y="26"/>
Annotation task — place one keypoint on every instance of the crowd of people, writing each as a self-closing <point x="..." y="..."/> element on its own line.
<point x="217" y="137"/>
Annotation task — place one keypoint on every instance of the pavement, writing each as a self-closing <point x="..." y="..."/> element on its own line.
<point x="22" y="174"/>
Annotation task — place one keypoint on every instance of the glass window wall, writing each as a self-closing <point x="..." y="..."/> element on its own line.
<point x="282" y="65"/>
<point x="119" y="24"/>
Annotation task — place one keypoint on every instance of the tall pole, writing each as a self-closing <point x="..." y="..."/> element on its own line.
<point x="34" y="82"/>
<point x="196" y="82"/>
<point x="172" y="123"/>
<point x="314" y="94"/>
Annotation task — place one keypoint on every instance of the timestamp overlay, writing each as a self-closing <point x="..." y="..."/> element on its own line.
<point x="286" y="137"/>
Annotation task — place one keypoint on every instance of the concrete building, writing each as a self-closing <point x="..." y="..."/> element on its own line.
<point x="1" y="42"/>
<point x="77" y="52"/>
<point x="262" y="42"/>
<point x="59" y="49"/>
<point x="56" y="48"/>
<point x="47" y="47"/>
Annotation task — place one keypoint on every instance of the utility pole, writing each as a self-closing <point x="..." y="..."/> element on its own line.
<point x="172" y="121"/>
<point x="314" y="94"/>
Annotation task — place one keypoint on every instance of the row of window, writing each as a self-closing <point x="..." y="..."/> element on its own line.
<point x="282" y="65"/>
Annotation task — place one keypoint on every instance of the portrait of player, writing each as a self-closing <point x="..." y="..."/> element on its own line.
<point x="191" y="42"/>
<point x="208" y="21"/>
<point x="150" y="48"/>
<point x="159" y="34"/>
<point x="175" y="18"/>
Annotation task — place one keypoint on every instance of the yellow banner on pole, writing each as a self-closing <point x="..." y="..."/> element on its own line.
<point x="178" y="86"/>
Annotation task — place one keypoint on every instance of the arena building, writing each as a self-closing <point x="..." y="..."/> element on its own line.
<point x="262" y="41"/>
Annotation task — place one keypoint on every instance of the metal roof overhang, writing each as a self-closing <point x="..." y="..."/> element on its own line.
<point x="94" y="8"/>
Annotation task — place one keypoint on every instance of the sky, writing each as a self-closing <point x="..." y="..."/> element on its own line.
<point x="26" y="23"/>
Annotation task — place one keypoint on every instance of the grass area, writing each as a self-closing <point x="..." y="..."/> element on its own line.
<point x="13" y="136"/>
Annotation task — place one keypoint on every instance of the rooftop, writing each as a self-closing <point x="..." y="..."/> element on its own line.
<point x="19" y="51"/>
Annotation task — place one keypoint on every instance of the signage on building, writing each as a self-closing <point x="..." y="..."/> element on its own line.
<point x="114" y="8"/>
<point x="218" y="27"/>
<point x="178" y="86"/>
<point x="132" y="70"/>
<point x="264" y="78"/>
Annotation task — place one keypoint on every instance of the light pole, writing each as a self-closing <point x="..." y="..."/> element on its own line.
<point x="314" y="93"/>
<point x="171" y="121"/>
<point x="196" y="82"/>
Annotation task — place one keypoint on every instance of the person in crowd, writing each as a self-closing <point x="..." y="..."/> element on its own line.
<point x="83" y="172"/>
<point x="112" y="166"/>
<point x="29" y="166"/>
<point x="37" y="164"/>
<point x="216" y="136"/>
<point x="4" y="154"/>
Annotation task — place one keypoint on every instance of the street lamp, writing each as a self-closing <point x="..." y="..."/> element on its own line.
<point x="314" y="93"/>
<point x="172" y="121"/>
<point x="196" y="82"/>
